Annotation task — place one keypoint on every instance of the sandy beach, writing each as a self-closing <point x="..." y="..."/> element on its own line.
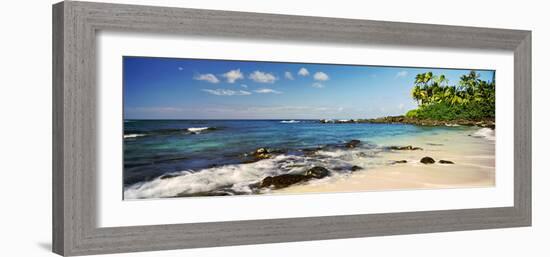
<point x="471" y="151"/>
<point x="352" y="158"/>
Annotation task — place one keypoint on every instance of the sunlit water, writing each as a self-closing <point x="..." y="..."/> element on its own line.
<point x="207" y="156"/>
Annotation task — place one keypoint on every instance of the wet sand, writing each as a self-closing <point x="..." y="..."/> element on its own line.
<point x="473" y="155"/>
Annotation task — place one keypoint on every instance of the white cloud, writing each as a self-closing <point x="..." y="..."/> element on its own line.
<point x="262" y="77"/>
<point x="209" y="77"/>
<point x="244" y="86"/>
<point x="401" y="74"/>
<point x="288" y="75"/>
<point x="320" y="76"/>
<point x="317" y="85"/>
<point x="226" y="92"/>
<point x="303" y="72"/>
<point x="267" y="91"/>
<point x="233" y="75"/>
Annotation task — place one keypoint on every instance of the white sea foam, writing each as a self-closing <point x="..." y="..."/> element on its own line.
<point x="290" y="121"/>
<point x="334" y="153"/>
<point x="133" y="135"/>
<point x="486" y="133"/>
<point x="197" y="130"/>
<point x="451" y="125"/>
<point x="238" y="178"/>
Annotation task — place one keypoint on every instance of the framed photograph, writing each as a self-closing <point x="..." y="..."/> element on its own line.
<point x="183" y="128"/>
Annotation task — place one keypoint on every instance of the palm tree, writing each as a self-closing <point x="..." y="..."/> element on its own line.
<point x="441" y="80"/>
<point x="474" y="96"/>
<point x="419" y="78"/>
<point x="470" y="81"/>
<point x="427" y="77"/>
<point x="423" y="79"/>
<point x="420" y="95"/>
<point x="451" y="97"/>
<point x="416" y="94"/>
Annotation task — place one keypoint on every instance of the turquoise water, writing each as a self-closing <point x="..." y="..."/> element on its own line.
<point x="153" y="148"/>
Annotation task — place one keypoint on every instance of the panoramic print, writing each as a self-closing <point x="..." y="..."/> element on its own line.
<point x="204" y="128"/>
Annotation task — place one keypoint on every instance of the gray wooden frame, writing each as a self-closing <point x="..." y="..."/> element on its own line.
<point x="74" y="129"/>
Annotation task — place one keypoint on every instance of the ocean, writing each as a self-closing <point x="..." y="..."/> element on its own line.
<point x="176" y="158"/>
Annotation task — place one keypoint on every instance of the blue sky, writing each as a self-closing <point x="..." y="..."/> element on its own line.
<point x="170" y="88"/>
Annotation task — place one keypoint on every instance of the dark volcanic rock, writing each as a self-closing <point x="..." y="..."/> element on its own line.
<point x="211" y="193"/>
<point x="284" y="180"/>
<point x="427" y="160"/>
<point x="337" y="121"/>
<point x="400" y="161"/>
<point x="261" y="153"/>
<point x="356" y="168"/>
<point x="353" y="143"/>
<point x="486" y="122"/>
<point x="310" y="151"/>
<point x="167" y="176"/>
<point x="317" y="172"/>
<point x="408" y="147"/>
<point x="446" y="162"/>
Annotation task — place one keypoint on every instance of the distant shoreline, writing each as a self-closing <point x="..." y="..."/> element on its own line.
<point x="400" y="119"/>
<point x="485" y="123"/>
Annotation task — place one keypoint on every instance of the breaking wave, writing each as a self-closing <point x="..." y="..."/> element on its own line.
<point x="290" y="121"/>
<point x="486" y="133"/>
<point x="240" y="179"/>
<point x="133" y="135"/>
<point x="197" y="130"/>
<point x="169" y="131"/>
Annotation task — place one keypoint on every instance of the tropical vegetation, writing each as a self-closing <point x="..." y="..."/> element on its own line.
<point x="471" y="99"/>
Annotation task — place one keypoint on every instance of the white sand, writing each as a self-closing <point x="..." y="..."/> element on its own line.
<point x="474" y="159"/>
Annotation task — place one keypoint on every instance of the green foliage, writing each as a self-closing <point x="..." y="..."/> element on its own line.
<point x="412" y="114"/>
<point x="471" y="99"/>
<point x="445" y="111"/>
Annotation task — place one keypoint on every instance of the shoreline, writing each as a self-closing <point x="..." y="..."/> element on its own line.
<point x="401" y="119"/>
<point x="460" y="158"/>
<point x="473" y="167"/>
